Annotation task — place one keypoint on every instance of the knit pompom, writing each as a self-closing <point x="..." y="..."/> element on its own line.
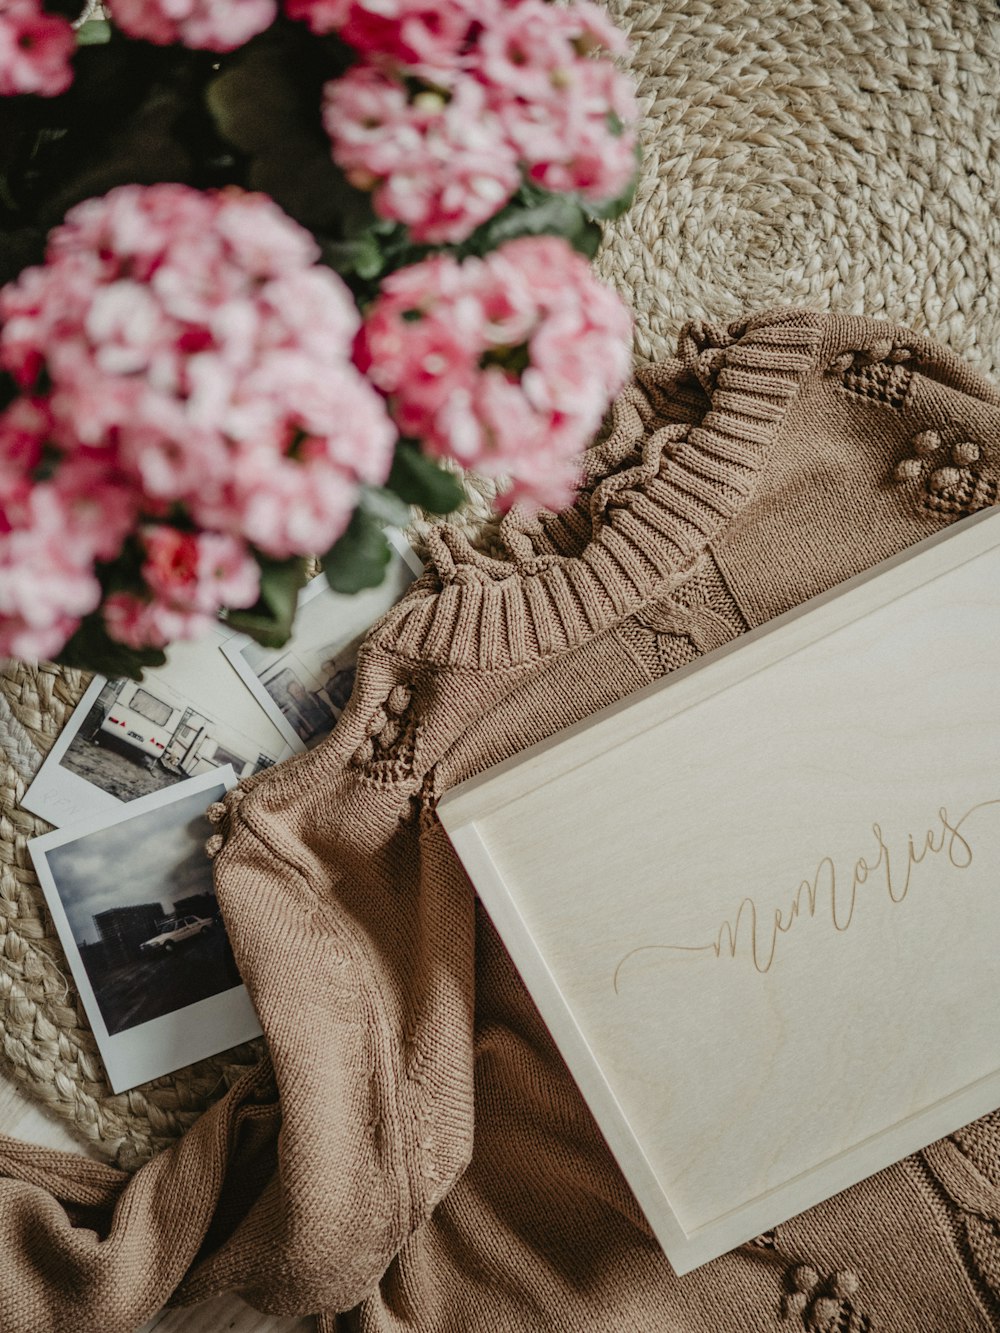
<point x="793" y="1304"/>
<point x="824" y="1311"/>
<point x="802" y="1278"/>
<point x="926" y="443"/>
<point x="844" y="1283"/>
<point x="965" y="452"/>
<point x="945" y="479"/>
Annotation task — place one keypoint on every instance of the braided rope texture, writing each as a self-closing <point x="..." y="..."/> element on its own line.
<point x="46" y="1040"/>
<point x="839" y="154"/>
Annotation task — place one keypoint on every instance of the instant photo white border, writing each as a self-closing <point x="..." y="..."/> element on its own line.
<point x="63" y="797"/>
<point x="185" y="1035"/>
<point x="233" y="649"/>
<point x="466" y="813"/>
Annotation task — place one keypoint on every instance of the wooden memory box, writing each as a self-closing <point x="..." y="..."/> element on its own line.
<point x="758" y="902"/>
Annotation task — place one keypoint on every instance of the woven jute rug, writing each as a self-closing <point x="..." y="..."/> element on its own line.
<point x="842" y="155"/>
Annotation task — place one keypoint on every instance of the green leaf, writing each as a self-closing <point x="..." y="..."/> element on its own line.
<point x="552" y="214"/>
<point x="95" y="32"/>
<point x="280" y="581"/>
<point x="587" y="239"/>
<point x="361" y="256"/>
<point x="253" y="102"/>
<point x="270" y="619"/>
<point x="418" y="480"/>
<point x="359" y="559"/>
<point x="91" y="649"/>
<point x="260" y="627"/>
<point x="384" y="507"/>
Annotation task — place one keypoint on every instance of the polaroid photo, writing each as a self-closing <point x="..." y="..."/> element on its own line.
<point x="304" y="687"/>
<point x="132" y="897"/>
<point x="127" y="739"/>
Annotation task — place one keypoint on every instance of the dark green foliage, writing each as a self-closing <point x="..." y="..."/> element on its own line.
<point x="92" y="650"/>
<point x="359" y="559"/>
<point x="269" y="621"/>
<point x="418" y="480"/>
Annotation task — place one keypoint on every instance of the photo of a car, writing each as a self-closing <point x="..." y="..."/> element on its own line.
<point x="174" y="932"/>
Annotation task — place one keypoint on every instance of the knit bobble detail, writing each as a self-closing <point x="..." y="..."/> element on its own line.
<point x="944" y="479"/>
<point x="389" y="734"/>
<point x="878" y="351"/>
<point x="927" y="442"/>
<point x="364" y="753"/>
<point x="376" y="722"/>
<point x="216" y="812"/>
<point x="214" y="845"/>
<point x="793" y="1304"/>
<point x="824" y="1310"/>
<point x="844" y="1283"/>
<point x="398" y="700"/>
<point x="965" y="453"/>
<point x="908" y="470"/>
<point x="802" y="1278"/>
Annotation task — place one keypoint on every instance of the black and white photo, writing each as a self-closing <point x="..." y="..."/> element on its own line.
<point x="127" y="739"/>
<point x="133" y="900"/>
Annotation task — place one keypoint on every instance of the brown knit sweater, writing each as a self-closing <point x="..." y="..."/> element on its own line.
<point x="413" y="1151"/>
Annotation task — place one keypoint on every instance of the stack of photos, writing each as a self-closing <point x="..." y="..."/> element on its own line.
<point x="127" y="783"/>
<point x="304" y="687"/>
<point x="127" y="739"/>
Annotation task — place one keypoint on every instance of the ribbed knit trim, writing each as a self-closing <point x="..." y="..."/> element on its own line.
<point x="647" y="522"/>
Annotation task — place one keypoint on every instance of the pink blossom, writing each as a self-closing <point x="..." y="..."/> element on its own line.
<point x="296" y="494"/>
<point x="35" y="50"/>
<point x="57" y="517"/>
<point x="196" y="348"/>
<point x="430" y="36"/>
<point x="438" y="161"/>
<point x="582" y="140"/>
<point x="531" y="49"/>
<point x="213" y="25"/>
<point x="24" y="430"/>
<point x="570" y="117"/>
<point x="198" y="572"/>
<point x="45" y="584"/>
<point x="505" y="363"/>
<point x="190" y="576"/>
<point x="140" y="623"/>
<point x="296" y="509"/>
<point x="100" y="507"/>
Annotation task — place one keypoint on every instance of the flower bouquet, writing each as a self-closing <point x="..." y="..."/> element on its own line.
<point x="267" y="270"/>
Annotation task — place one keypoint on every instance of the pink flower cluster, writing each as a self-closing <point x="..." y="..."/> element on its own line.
<point x="452" y="105"/>
<point x="191" y="575"/>
<point x="505" y="364"/>
<point x="419" y="33"/>
<point x="441" y="165"/>
<point x="181" y="356"/>
<point x="35" y="50"/>
<point x="213" y="25"/>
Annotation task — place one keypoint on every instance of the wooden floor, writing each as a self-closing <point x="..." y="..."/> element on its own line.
<point x="228" y="1314"/>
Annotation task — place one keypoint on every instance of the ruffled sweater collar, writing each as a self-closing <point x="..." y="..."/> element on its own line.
<point x="688" y="440"/>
